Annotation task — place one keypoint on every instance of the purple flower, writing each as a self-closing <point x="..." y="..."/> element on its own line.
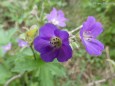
<point x="7" y="47"/>
<point x="57" y="18"/>
<point x="22" y="43"/>
<point x="53" y="43"/>
<point x="88" y="33"/>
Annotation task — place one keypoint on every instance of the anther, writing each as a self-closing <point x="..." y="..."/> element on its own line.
<point x="56" y="42"/>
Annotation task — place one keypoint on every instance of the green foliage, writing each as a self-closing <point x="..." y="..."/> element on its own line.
<point x="15" y="14"/>
<point x="6" y="36"/>
<point x="4" y="74"/>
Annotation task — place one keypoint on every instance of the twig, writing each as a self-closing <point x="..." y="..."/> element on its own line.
<point x="109" y="65"/>
<point x="101" y="81"/>
<point x="12" y="79"/>
<point x="74" y="30"/>
<point x="108" y="57"/>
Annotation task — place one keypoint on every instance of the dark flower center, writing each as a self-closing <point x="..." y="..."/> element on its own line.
<point x="56" y="42"/>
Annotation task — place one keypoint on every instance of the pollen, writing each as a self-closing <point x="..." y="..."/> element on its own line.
<point x="56" y="42"/>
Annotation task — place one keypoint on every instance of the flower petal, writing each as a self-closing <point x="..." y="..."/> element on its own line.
<point x="63" y="35"/>
<point x="42" y="45"/>
<point x="91" y="19"/>
<point x="7" y="47"/>
<point x="61" y="16"/>
<point x="60" y="13"/>
<point x="62" y="24"/>
<point x="47" y="30"/>
<point x="65" y="53"/>
<point x="96" y="29"/>
<point x="57" y="18"/>
<point x="94" y="47"/>
<point x="49" y="56"/>
<point x="52" y="14"/>
<point x="22" y="43"/>
<point x="89" y="22"/>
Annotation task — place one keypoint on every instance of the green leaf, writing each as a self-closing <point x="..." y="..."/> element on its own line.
<point x="5" y="36"/>
<point x="46" y="78"/>
<point x="1" y="53"/>
<point x="24" y="61"/>
<point x="57" y="69"/>
<point x="4" y="74"/>
<point x="3" y="40"/>
<point x="23" y="64"/>
<point x="47" y="71"/>
<point x="10" y="33"/>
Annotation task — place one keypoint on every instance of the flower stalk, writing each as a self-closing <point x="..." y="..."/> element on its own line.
<point x="76" y="29"/>
<point x="33" y="51"/>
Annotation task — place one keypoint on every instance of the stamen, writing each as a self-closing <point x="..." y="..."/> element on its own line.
<point x="56" y="42"/>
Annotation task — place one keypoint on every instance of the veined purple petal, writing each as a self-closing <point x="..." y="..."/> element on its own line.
<point x="96" y="29"/>
<point x="47" y="30"/>
<point x="94" y="47"/>
<point x="49" y="56"/>
<point x="65" y="53"/>
<point x="89" y="23"/>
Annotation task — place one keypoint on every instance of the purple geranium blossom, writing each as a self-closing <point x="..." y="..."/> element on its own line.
<point x="7" y="47"/>
<point x="57" y="18"/>
<point x="22" y="43"/>
<point x="53" y="43"/>
<point x="88" y="33"/>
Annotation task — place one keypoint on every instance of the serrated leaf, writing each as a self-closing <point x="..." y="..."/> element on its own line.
<point x="24" y="64"/>
<point x="57" y="69"/>
<point x="46" y="78"/>
<point x="47" y="72"/>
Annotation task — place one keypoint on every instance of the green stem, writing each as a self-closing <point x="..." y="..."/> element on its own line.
<point x="76" y="29"/>
<point x="42" y="10"/>
<point x="33" y="51"/>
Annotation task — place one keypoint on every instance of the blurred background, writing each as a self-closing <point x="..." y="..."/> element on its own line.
<point x="81" y="70"/>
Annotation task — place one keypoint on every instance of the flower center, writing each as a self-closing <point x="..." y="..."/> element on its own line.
<point x="87" y="35"/>
<point x="55" y="22"/>
<point x="56" y="42"/>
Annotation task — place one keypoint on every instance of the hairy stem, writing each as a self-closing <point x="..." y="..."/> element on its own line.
<point x="76" y="29"/>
